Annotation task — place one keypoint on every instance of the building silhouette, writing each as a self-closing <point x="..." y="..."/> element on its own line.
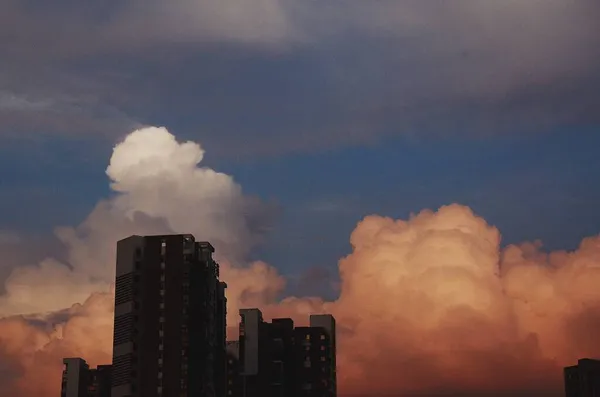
<point x="79" y="380"/>
<point x="169" y="334"/>
<point x="278" y="360"/>
<point x="316" y="358"/>
<point x="234" y="380"/>
<point x="583" y="379"/>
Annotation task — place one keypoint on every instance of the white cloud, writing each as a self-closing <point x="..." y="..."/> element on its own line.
<point x="159" y="188"/>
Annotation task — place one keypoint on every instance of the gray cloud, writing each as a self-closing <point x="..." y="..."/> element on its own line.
<point x="287" y="75"/>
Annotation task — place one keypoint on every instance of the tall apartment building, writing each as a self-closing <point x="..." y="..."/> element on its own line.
<point x="100" y="381"/>
<point x="315" y="352"/>
<point x="234" y="379"/>
<point x="79" y="380"/>
<point x="278" y="360"/>
<point x="169" y="336"/>
<point x="326" y="322"/>
<point x="281" y="354"/>
<point x="253" y="357"/>
<point x="583" y="379"/>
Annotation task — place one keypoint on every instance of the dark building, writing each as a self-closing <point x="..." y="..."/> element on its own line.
<point x="169" y="336"/>
<point x="278" y="360"/>
<point x="78" y="380"/>
<point x="281" y="353"/>
<point x="313" y="364"/>
<point x="253" y="353"/>
<point x="234" y="379"/>
<point x="583" y="379"/>
<point x="221" y="336"/>
<point x="326" y="322"/>
<point x="100" y="381"/>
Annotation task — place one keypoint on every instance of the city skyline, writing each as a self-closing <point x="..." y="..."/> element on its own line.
<point x="424" y="171"/>
<point x="170" y="334"/>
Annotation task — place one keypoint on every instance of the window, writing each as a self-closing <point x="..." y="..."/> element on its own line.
<point x="322" y="348"/>
<point x="161" y="319"/>
<point x="162" y="277"/>
<point x="322" y="358"/>
<point x="307" y="363"/>
<point x="159" y="375"/>
<point x="160" y="346"/>
<point x="307" y="337"/>
<point x="322" y="337"/>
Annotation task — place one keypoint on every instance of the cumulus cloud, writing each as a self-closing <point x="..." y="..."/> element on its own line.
<point x="431" y="305"/>
<point x="434" y="304"/>
<point x="159" y="188"/>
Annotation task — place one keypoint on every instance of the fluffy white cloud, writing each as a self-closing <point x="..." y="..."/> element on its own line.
<point x="159" y="188"/>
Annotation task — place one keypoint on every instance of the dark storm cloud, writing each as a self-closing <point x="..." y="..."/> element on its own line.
<point x="294" y="75"/>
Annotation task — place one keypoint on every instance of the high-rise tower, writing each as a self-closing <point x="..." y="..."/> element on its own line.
<point x="169" y="335"/>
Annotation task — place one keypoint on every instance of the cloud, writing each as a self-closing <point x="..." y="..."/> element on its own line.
<point x="9" y="238"/>
<point x="429" y="305"/>
<point x="159" y="188"/>
<point x="261" y="22"/>
<point x="434" y="306"/>
<point x="302" y="75"/>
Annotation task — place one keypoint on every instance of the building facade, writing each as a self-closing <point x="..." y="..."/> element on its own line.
<point x="326" y="323"/>
<point x="169" y="335"/>
<point x="100" y="381"/>
<point x="278" y="360"/>
<point x="234" y="376"/>
<point x="583" y="379"/>
<point x="79" y="380"/>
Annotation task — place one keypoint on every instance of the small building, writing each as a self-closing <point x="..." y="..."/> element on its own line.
<point x="79" y="380"/>
<point x="583" y="379"/>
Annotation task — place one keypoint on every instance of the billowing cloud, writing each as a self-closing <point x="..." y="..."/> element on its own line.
<point x="434" y="306"/>
<point x="429" y="305"/>
<point x="159" y="188"/>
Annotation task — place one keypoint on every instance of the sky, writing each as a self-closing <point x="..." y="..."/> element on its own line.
<point x="425" y="171"/>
